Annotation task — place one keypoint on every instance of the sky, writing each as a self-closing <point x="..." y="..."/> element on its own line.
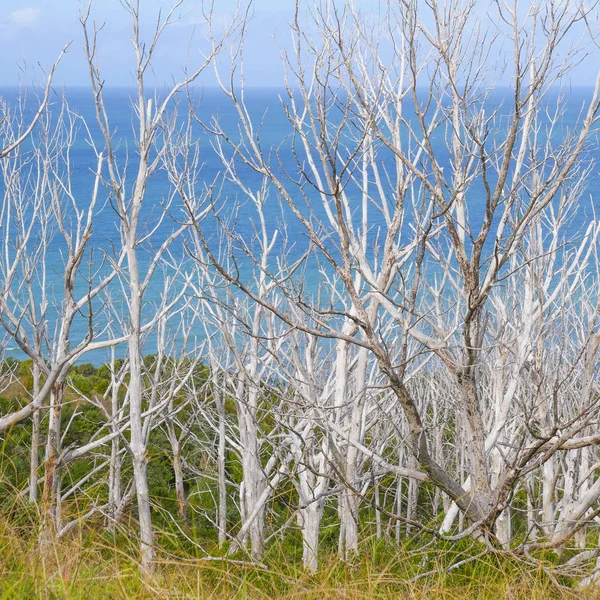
<point x="33" y="32"/>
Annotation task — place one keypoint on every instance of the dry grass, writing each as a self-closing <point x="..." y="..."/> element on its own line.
<point x="91" y="566"/>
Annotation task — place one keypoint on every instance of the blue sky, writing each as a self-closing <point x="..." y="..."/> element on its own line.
<point x="34" y="31"/>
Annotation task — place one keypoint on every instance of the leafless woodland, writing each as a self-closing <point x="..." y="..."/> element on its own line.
<point x="439" y="374"/>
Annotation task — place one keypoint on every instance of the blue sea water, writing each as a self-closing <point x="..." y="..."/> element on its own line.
<point x="265" y="106"/>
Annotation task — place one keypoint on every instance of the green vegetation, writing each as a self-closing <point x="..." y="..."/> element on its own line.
<point x="95" y="561"/>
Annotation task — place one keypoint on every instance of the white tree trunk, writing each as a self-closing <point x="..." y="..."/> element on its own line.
<point x="222" y="509"/>
<point x="532" y="515"/>
<point x="548" y="502"/>
<point x="348" y="514"/>
<point x="35" y="439"/>
<point x="114" y="476"/>
<point x="253" y="485"/>
<point x="50" y="495"/>
<point x="310" y="523"/>
<point x="138" y="443"/>
<point x="502" y="527"/>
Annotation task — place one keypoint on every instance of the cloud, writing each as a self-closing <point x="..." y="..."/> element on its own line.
<point x="17" y="21"/>
<point x="23" y="18"/>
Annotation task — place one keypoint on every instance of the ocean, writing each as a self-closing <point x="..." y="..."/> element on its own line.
<point x="231" y="204"/>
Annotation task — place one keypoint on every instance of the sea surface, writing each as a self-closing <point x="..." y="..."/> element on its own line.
<point x="231" y="204"/>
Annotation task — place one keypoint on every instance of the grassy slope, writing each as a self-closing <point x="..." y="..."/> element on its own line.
<point x="92" y="565"/>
